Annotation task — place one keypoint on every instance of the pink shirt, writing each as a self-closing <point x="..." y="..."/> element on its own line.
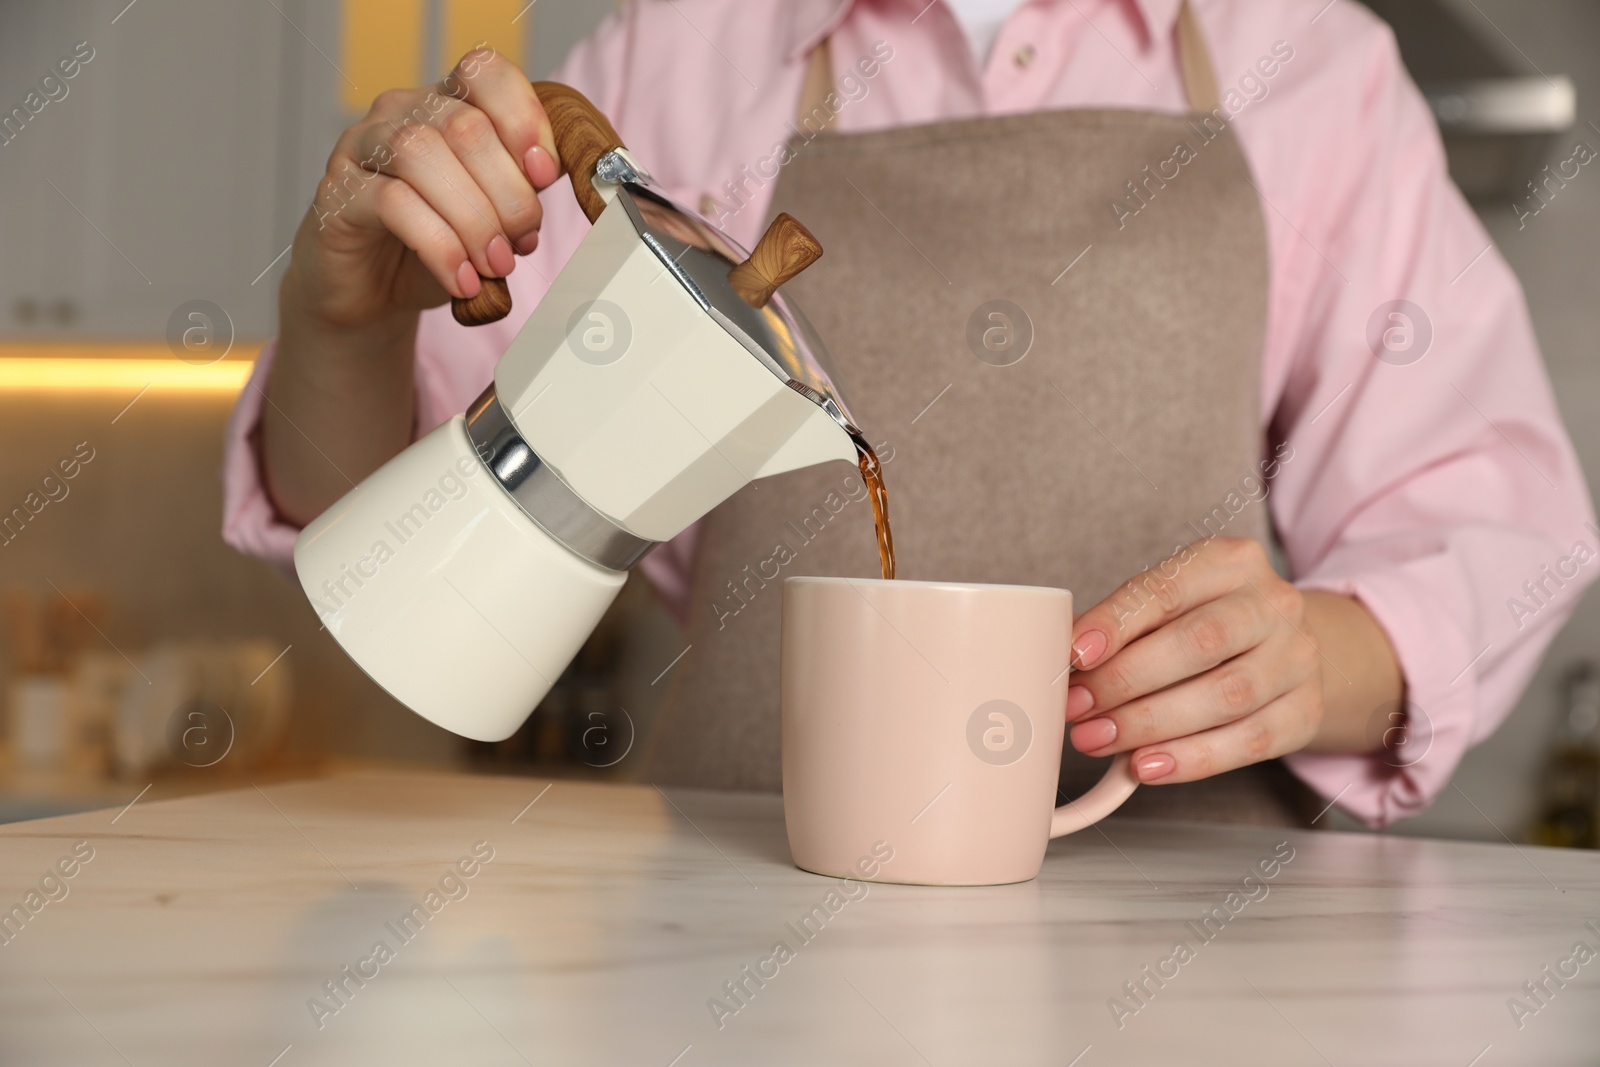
<point x="1442" y="491"/>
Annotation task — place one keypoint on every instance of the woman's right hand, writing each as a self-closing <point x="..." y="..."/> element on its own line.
<point x="433" y="188"/>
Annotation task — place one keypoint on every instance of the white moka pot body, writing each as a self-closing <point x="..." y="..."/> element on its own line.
<point x="656" y="432"/>
<point x="443" y="587"/>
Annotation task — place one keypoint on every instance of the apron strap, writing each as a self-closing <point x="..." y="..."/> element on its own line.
<point x="812" y="114"/>
<point x="1199" y="80"/>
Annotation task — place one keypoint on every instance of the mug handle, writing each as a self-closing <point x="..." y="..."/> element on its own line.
<point x="1114" y="787"/>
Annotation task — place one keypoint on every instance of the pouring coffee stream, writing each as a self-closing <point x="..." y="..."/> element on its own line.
<point x="872" y="475"/>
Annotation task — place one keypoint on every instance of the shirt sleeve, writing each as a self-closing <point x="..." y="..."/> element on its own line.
<point x="453" y="363"/>
<point x="1426" y="471"/>
<point x="249" y="521"/>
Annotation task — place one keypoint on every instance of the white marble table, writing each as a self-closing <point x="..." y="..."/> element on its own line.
<point x="610" y="916"/>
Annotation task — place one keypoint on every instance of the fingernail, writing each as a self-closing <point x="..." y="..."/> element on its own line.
<point x="1090" y="647"/>
<point x="1094" y="734"/>
<point x="540" y="166"/>
<point x="501" y="259"/>
<point x="526" y="245"/>
<point x="1156" y="765"/>
<point x="467" y="281"/>
<point x="1079" y="701"/>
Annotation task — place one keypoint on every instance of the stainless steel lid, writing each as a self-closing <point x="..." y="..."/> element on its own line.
<point x="699" y="256"/>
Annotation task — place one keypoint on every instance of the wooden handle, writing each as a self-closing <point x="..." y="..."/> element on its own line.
<point x="786" y="249"/>
<point x="492" y="303"/>
<point x="582" y="135"/>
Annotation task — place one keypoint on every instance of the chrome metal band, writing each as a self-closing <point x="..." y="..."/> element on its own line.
<point x="546" y="499"/>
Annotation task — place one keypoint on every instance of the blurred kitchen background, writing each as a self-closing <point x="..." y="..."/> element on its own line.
<point x="146" y="212"/>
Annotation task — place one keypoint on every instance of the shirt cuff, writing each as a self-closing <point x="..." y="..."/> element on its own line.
<point x="1441" y="704"/>
<point x="249" y="521"/>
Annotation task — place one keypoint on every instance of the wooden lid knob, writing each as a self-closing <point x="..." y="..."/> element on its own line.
<point x="786" y="249"/>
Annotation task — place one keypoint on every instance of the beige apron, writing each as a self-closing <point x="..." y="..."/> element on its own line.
<point x="1128" y="426"/>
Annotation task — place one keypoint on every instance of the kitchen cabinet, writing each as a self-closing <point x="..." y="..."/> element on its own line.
<point x="180" y="158"/>
<point x="152" y="180"/>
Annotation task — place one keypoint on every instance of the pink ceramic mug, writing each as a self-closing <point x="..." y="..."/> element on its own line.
<point x="923" y="722"/>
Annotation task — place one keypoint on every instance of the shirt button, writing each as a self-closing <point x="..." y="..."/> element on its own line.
<point x="708" y="206"/>
<point x="1023" y="57"/>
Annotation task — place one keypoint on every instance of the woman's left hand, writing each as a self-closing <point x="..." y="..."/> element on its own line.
<point x="1199" y="665"/>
